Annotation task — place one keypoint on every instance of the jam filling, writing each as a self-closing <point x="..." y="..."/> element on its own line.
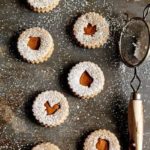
<point x="34" y="43"/>
<point x="86" y="79"/>
<point x="51" y="110"/>
<point x="102" y="144"/>
<point x="90" y="30"/>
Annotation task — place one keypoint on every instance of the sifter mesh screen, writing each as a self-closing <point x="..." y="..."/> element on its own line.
<point x="134" y="44"/>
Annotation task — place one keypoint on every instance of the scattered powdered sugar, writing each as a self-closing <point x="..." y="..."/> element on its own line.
<point x="52" y="97"/>
<point x="46" y="46"/>
<point x="20" y="82"/>
<point x="7" y="114"/>
<point x="92" y="139"/>
<point x="99" y="38"/>
<point x="46" y="146"/>
<point x="96" y="74"/>
<point x="41" y="4"/>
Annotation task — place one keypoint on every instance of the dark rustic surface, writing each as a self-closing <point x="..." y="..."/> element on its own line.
<point x="20" y="82"/>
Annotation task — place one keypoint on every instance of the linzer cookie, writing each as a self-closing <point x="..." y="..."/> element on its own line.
<point x="101" y="140"/>
<point x="86" y="80"/>
<point x="43" y="6"/>
<point x="51" y="108"/>
<point x="91" y="30"/>
<point x="46" y="146"/>
<point x="35" y="45"/>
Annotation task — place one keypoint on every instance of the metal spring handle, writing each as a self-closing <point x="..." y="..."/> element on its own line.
<point x="135" y="77"/>
<point x="146" y="11"/>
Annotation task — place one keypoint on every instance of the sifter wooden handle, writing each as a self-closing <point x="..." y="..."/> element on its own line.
<point x="135" y="124"/>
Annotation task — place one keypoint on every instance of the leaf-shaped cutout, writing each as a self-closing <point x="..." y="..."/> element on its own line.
<point x="90" y="30"/>
<point x="86" y="79"/>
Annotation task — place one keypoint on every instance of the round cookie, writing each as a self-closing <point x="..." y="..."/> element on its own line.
<point x="101" y="140"/>
<point x="42" y="6"/>
<point x="91" y="30"/>
<point x="50" y="108"/>
<point x="86" y="79"/>
<point x="46" y="146"/>
<point x="35" y="45"/>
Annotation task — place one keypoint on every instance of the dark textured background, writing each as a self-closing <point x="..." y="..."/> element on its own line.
<point x="21" y="82"/>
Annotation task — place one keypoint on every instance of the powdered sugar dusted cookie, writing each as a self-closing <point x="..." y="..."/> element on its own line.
<point x="91" y="30"/>
<point x="101" y="140"/>
<point x="43" y="6"/>
<point x="46" y="146"/>
<point x="35" y="45"/>
<point x="86" y="79"/>
<point x="51" y="108"/>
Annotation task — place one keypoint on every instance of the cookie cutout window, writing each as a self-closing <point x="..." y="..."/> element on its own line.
<point x="86" y="79"/>
<point x="102" y="140"/>
<point x="34" y="43"/>
<point x="102" y="144"/>
<point x="51" y="109"/>
<point x="90" y="29"/>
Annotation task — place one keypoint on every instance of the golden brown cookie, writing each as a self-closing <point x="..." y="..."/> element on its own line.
<point x="42" y="6"/>
<point x="46" y="146"/>
<point x="91" y="30"/>
<point x="101" y="140"/>
<point x="50" y="108"/>
<point x="86" y="79"/>
<point x="35" y="45"/>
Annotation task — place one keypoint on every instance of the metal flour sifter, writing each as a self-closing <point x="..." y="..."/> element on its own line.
<point x="134" y="49"/>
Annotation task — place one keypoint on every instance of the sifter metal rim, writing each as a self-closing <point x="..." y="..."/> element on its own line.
<point x="122" y="33"/>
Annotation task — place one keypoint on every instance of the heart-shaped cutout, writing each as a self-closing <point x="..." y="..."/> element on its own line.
<point x="51" y="110"/>
<point x="86" y="79"/>
<point x="102" y="144"/>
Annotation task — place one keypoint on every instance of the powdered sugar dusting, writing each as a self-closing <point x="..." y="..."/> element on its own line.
<point x="94" y="71"/>
<point x="21" y="82"/>
<point x="52" y="97"/>
<point x="46" y="46"/>
<point x="92" y="139"/>
<point x="101" y="35"/>
<point x="43" y="4"/>
<point x="46" y="146"/>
